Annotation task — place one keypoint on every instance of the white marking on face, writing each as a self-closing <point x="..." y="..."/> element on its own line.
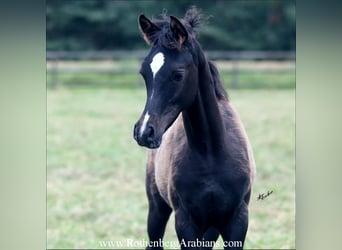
<point x="143" y="126"/>
<point x="157" y="63"/>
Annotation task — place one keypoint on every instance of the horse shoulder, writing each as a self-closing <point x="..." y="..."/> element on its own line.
<point x="166" y="156"/>
<point x="239" y="144"/>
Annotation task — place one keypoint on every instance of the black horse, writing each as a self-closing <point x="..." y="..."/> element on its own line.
<point x="200" y="163"/>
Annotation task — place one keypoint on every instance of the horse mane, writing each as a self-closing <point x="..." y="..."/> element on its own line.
<point x="192" y="21"/>
<point x="220" y="92"/>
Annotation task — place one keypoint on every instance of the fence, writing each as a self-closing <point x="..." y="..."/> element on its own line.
<point x="55" y="61"/>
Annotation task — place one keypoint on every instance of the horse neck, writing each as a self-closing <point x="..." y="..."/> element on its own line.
<point x="202" y="119"/>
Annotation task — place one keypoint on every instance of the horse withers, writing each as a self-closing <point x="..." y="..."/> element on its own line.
<point x="200" y="163"/>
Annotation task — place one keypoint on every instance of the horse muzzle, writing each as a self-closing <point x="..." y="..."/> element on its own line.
<point x="146" y="136"/>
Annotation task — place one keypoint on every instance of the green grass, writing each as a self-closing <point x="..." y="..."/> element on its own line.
<point x="96" y="171"/>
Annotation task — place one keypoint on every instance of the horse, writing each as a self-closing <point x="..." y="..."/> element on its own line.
<point x="200" y="163"/>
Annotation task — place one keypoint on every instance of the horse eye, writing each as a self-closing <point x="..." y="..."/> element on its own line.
<point x="178" y="75"/>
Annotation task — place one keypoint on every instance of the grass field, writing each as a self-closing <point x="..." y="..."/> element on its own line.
<point x="95" y="170"/>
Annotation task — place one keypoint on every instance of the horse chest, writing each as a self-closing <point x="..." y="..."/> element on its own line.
<point x="209" y="187"/>
<point x="209" y="199"/>
<point x="202" y="187"/>
<point x="188" y="179"/>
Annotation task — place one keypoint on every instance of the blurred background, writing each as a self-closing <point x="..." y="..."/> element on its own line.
<point x="112" y="25"/>
<point x="96" y="171"/>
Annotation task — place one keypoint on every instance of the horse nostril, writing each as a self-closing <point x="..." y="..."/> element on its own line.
<point x="135" y="131"/>
<point x="150" y="132"/>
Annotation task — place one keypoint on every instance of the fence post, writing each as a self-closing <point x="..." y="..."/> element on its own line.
<point x="54" y="73"/>
<point x="235" y="73"/>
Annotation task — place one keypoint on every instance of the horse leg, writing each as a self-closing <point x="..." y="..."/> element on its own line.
<point x="234" y="233"/>
<point x="158" y="214"/>
<point x="186" y="230"/>
<point x="211" y="235"/>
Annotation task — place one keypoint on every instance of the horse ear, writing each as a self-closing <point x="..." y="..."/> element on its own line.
<point x="147" y="28"/>
<point x="178" y="30"/>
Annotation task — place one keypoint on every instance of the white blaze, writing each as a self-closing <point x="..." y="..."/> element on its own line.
<point x="143" y="126"/>
<point x="157" y="63"/>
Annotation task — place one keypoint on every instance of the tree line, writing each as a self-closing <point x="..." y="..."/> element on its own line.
<point x="112" y="24"/>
